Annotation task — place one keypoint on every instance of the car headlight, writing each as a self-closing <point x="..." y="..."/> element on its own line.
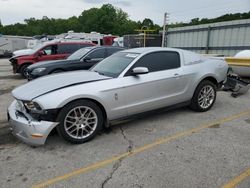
<point x="32" y="106"/>
<point x="38" y="70"/>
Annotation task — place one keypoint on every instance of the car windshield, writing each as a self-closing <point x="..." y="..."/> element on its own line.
<point x="79" y="54"/>
<point x="37" y="47"/>
<point x="115" y="64"/>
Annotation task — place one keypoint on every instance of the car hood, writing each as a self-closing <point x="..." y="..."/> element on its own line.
<point x="54" y="82"/>
<point x="50" y="63"/>
<point x="23" y="52"/>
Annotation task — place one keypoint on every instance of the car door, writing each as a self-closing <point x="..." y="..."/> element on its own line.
<point x="158" y="87"/>
<point x="47" y="53"/>
<point x="65" y="49"/>
<point x="95" y="56"/>
<point x="88" y="60"/>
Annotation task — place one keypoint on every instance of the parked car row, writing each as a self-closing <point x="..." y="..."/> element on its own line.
<point x="44" y="52"/>
<point x="82" y="59"/>
<point x="80" y="103"/>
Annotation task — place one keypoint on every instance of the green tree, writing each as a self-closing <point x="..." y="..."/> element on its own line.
<point x="148" y="22"/>
<point x="107" y="19"/>
<point x="195" y="21"/>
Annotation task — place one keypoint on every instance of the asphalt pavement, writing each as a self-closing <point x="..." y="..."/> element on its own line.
<point x="177" y="148"/>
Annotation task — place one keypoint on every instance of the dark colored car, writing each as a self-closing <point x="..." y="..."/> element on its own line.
<point x="44" y="52"/>
<point x="82" y="59"/>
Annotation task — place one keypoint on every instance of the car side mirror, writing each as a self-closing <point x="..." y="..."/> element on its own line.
<point x="41" y="53"/>
<point x="139" y="70"/>
<point x="87" y="59"/>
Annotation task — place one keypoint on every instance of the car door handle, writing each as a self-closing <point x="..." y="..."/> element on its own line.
<point x="176" y="75"/>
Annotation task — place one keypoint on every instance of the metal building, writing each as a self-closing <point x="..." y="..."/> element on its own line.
<point x="9" y="44"/>
<point x="222" y="38"/>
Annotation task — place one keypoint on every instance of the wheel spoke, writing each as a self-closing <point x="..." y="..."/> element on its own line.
<point x="86" y="130"/>
<point x="71" y="117"/>
<point x="83" y="114"/>
<point x="201" y="98"/>
<point x="77" y="133"/>
<point x="88" y="126"/>
<point x="69" y="121"/>
<point x="71" y="126"/>
<point x="73" y="130"/>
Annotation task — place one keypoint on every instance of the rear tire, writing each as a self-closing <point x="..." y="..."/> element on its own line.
<point x="204" y="96"/>
<point x="80" y="121"/>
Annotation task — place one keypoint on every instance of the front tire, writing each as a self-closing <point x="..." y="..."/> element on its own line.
<point x="80" y="121"/>
<point x="23" y="70"/>
<point x="204" y="96"/>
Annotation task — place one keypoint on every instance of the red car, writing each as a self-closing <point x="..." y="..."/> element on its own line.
<point x="44" y="52"/>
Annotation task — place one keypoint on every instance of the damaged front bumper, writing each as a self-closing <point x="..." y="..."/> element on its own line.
<point x="26" y="128"/>
<point x="13" y="62"/>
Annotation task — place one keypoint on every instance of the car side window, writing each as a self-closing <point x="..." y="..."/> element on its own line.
<point x="73" y="47"/>
<point x="158" y="61"/>
<point x="85" y="45"/>
<point x="99" y="53"/>
<point x="112" y="50"/>
<point x="64" y="48"/>
<point x="50" y="50"/>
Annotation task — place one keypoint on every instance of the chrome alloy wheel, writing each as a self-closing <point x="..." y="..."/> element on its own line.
<point x="206" y="96"/>
<point x="80" y="122"/>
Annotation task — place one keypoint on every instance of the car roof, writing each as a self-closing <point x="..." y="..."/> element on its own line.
<point x="67" y="42"/>
<point x="95" y="47"/>
<point x="151" y="49"/>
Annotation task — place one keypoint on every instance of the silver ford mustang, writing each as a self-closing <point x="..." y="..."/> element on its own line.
<point x="129" y="82"/>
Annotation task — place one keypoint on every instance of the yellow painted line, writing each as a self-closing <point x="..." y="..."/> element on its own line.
<point x="137" y="150"/>
<point x="234" y="182"/>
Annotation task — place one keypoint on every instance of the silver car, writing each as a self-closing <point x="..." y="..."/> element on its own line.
<point x="129" y="82"/>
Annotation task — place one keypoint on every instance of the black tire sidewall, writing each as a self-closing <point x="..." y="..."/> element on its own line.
<point x="22" y="69"/>
<point x="60" y="127"/>
<point x="194" y="102"/>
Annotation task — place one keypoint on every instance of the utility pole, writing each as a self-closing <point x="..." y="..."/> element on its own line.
<point x="164" y="29"/>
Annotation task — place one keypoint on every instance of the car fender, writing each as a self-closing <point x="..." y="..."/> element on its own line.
<point x="49" y="100"/>
<point x="210" y="75"/>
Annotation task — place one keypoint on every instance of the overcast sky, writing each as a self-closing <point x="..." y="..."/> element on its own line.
<point x="13" y="11"/>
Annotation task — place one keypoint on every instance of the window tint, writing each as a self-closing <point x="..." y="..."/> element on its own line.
<point x="73" y="47"/>
<point x="79" y="53"/>
<point x="67" y="48"/>
<point x="158" y="61"/>
<point x="99" y="53"/>
<point x="50" y="50"/>
<point x="113" y="50"/>
<point x="85" y="45"/>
